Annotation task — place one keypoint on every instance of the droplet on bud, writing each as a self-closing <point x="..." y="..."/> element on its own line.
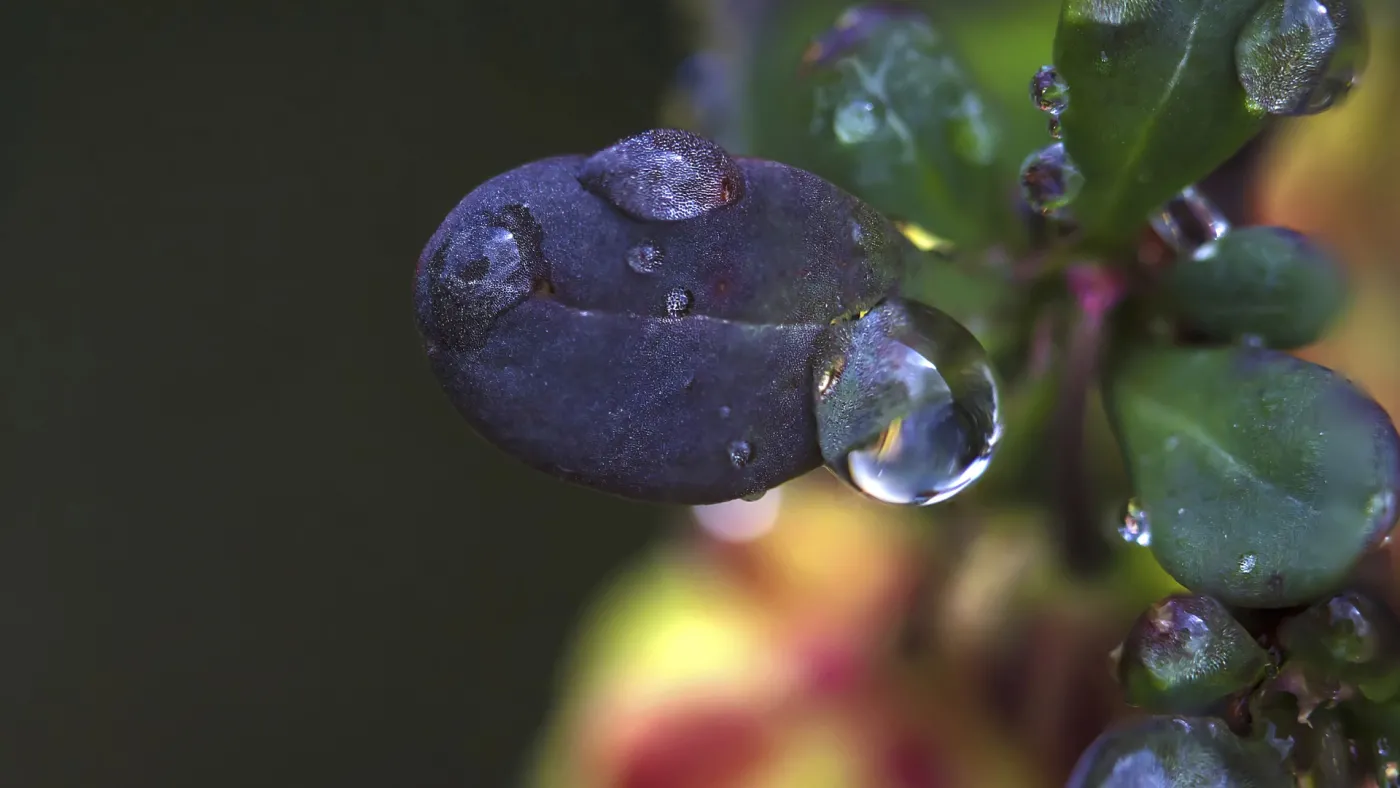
<point x="1053" y="127"/>
<point x="678" y="302"/>
<point x="1299" y="57"/>
<point x="1050" y="180"/>
<point x="664" y="175"/>
<point x="913" y="417"/>
<point x="1049" y="91"/>
<point x="1136" y="527"/>
<point x="644" y="258"/>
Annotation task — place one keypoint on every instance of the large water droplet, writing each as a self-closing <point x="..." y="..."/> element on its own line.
<point x="645" y="257"/>
<point x="857" y="121"/>
<point x="913" y="416"/>
<point x="664" y="175"/>
<point x="678" y="302"/>
<point x="740" y="453"/>
<point x="1049" y="91"/>
<point x="1050" y="180"/>
<point x="1299" y="57"/>
<point x="1136" y="527"/>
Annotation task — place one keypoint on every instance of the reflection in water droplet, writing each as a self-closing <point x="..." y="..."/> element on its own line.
<point x="678" y="302"/>
<point x="1053" y="127"/>
<point x="857" y="121"/>
<point x="1050" y="180"/>
<point x="644" y="258"/>
<point x="1248" y="562"/>
<point x="1136" y="527"/>
<point x="1191" y="220"/>
<point x="1049" y="91"/>
<point x="914" y="416"/>
<point x="740" y="453"/>
<point x="1299" y="57"/>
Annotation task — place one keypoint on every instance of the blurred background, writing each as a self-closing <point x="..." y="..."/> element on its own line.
<point x="245" y="539"/>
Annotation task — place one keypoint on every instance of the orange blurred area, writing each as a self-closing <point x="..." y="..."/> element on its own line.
<point x="813" y="638"/>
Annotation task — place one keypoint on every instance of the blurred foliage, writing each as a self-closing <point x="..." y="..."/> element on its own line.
<point x="813" y="638"/>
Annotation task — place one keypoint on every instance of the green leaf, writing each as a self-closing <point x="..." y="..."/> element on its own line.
<point x="1186" y="653"/>
<point x="1154" y="102"/>
<point x="1264" y="477"/>
<point x="876" y="100"/>
<point x="1267" y="283"/>
<point x="1185" y="752"/>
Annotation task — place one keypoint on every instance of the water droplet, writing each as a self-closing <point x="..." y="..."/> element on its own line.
<point x="664" y="175"/>
<point x="753" y="496"/>
<point x="1248" y="562"/>
<point x="1136" y="528"/>
<point x="857" y="121"/>
<point x="1191" y="220"/>
<point x="644" y="258"/>
<point x="678" y="302"/>
<point x="740" y="453"/>
<point x="1050" y="180"/>
<point x="724" y="411"/>
<point x="1053" y="127"/>
<point x="1049" y="91"/>
<point x="913" y="415"/>
<point x="1299" y="57"/>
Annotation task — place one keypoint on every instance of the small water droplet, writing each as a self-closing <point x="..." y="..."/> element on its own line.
<point x="740" y="453"/>
<point x="913" y="415"/>
<point x="1299" y="57"/>
<point x="1053" y="127"/>
<point x="857" y="121"/>
<point x="1136" y="528"/>
<point x="724" y="411"/>
<point x="644" y="258"/>
<point x="664" y="175"/>
<point x="1248" y="562"/>
<point x="1049" y="91"/>
<point x="753" y="496"/>
<point x="1050" y="180"/>
<point x="1191" y="221"/>
<point x="678" y="302"/>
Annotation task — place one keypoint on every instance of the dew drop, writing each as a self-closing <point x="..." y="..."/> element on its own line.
<point x="1049" y="91"/>
<point x="1050" y="180"/>
<point x="1248" y="562"/>
<point x="857" y="121"/>
<point x="664" y="175"/>
<point x="740" y="453"/>
<point x="913" y="416"/>
<point x="678" y="302"/>
<point x="644" y="258"/>
<point x="1299" y="57"/>
<point x="756" y="495"/>
<point x="1053" y="127"/>
<point x="1136" y="527"/>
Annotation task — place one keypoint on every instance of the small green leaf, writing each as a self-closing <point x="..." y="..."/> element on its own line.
<point x="1351" y="638"/>
<point x="1267" y="283"/>
<point x="1154" y="102"/>
<point x="1186" y="653"/>
<point x="1264" y="477"/>
<point x="1184" y="752"/>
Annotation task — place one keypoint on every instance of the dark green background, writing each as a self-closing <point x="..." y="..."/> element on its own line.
<point x="245" y="541"/>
